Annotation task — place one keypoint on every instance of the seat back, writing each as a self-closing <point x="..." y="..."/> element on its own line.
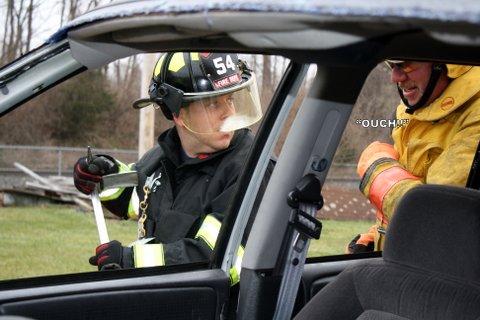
<point x="430" y="267"/>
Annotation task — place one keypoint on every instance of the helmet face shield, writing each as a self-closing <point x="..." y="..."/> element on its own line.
<point x="198" y="86"/>
<point x="224" y="110"/>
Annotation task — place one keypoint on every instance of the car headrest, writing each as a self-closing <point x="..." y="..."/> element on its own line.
<point x="437" y="228"/>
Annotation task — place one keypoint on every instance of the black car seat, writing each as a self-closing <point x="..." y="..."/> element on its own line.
<point x="430" y="267"/>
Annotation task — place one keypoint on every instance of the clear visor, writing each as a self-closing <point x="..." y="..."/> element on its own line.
<point x="223" y="111"/>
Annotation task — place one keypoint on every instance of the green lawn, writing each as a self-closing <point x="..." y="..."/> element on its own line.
<point x="47" y="240"/>
<point x="335" y="236"/>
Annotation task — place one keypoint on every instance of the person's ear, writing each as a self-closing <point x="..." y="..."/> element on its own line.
<point x="178" y="120"/>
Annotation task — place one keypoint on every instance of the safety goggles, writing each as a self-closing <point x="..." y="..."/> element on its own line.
<point x="405" y="66"/>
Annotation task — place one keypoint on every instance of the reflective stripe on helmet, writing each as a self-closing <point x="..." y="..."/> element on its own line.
<point x="177" y="62"/>
<point x="148" y="255"/>
<point x="194" y="56"/>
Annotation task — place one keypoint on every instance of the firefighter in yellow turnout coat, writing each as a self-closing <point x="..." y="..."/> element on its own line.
<point x="436" y="144"/>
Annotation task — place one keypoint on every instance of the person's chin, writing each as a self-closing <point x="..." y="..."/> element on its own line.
<point x="223" y="140"/>
<point x="412" y="102"/>
<point x="412" y="96"/>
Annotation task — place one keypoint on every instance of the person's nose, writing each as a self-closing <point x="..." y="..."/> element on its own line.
<point x="228" y="108"/>
<point x="398" y="75"/>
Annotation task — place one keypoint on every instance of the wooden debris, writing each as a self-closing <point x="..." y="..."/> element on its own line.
<point x="54" y="189"/>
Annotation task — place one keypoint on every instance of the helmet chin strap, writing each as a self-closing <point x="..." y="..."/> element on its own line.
<point x="437" y="70"/>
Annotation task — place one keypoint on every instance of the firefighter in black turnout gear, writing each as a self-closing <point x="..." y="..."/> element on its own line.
<point x="186" y="181"/>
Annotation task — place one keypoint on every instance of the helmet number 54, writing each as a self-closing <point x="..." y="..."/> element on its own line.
<point x="222" y="67"/>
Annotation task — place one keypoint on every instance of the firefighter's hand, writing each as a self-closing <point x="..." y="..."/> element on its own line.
<point x="376" y="150"/>
<point x="361" y="243"/>
<point x="112" y="255"/>
<point x="87" y="173"/>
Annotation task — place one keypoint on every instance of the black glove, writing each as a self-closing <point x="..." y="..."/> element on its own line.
<point x="86" y="174"/>
<point x="112" y="255"/>
<point x="354" y="247"/>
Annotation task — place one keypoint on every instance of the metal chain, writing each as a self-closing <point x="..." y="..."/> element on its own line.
<point x="150" y="182"/>
<point x="143" y="216"/>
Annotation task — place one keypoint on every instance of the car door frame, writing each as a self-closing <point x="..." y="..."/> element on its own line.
<point x="80" y="295"/>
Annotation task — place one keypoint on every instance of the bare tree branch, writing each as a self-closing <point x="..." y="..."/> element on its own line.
<point x="4" y="58"/>
<point x="29" y="25"/>
<point x="62" y="11"/>
<point x="10" y="50"/>
<point x="73" y="12"/>
<point x="92" y="4"/>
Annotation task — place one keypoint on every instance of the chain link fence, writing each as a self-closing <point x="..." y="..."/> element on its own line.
<point x="60" y="160"/>
<point x="46" y="160"/>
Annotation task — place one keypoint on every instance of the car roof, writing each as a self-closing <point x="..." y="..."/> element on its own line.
<point x="334" y="33"/>
<point x="332" y="28"/>
<point x="459" y="11"/>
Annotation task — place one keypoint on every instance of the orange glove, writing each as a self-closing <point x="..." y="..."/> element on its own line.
<point x="372" y="153"/>
<point x="363" y="242"/>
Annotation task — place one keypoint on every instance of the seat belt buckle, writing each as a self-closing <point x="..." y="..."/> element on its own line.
<point x="306" y="224"/>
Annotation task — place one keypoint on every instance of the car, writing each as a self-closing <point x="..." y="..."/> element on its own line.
<point x="345" y="41"/>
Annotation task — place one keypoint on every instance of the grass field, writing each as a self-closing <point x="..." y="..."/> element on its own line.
<point x="336" y="235"/>
<point x="48" y="240"/>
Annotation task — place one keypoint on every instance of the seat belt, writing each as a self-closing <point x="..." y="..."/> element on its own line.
<point x="305" y="200"/>
<point x="473" y="180"/>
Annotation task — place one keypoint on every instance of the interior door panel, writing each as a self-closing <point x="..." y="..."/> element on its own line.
<point x="193" y="295"/>
<point x="171" y="303"/>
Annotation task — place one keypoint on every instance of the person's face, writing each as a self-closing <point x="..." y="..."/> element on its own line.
<point x="203" y="119"/>
<point x="412" y="78"/>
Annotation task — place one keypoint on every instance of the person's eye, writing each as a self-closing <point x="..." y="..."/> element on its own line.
<point x="209" y="103"/>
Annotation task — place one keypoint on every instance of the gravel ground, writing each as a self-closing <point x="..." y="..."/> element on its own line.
<point x="342" y="203"/>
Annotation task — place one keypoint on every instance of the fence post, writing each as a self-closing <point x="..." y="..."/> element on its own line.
<point x="59" y="170"/>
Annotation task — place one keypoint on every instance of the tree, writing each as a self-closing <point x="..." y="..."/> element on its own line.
<point x="17" y="32"/>
<point x="80" y="109"/>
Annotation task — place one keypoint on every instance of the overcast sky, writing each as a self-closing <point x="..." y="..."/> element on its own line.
<point x="46" y="18"/>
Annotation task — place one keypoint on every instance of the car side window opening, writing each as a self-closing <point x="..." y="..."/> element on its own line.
<point x="411" y="126"/>
<point x="346" y="212"/>
<point x="216" y="118"/>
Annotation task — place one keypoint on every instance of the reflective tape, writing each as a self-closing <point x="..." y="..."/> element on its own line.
<point x="114" y="193"/>
<point x="237" y="267"/>
<point x="209" y="230"/>
<point x="111" y="194"/>
<point x="148" y="255"/>
<point x="122" y="167"/>
<point x="384" y="181"/>
<point x="133" y="205"/>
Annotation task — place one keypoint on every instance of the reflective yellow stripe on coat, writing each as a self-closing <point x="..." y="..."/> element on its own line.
<point x="114" y="193"/>
<point x="208" y="232"/>
<point x="148" y="255"/>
